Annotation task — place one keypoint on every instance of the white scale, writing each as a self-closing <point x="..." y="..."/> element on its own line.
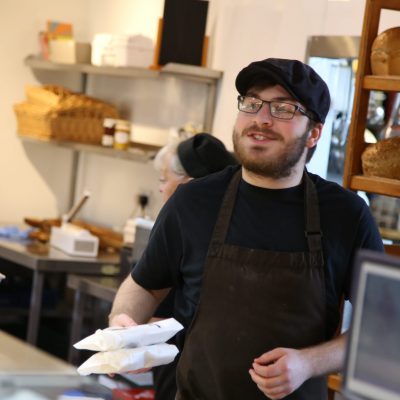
<point x="72" y="239"/>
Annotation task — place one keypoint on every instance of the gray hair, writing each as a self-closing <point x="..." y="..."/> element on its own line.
<point x="160" y="161"/>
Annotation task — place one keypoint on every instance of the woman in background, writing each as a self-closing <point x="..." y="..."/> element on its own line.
<point x="195" y="157"/>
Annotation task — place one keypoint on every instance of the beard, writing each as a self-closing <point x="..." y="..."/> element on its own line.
<point x="276" y="167"/>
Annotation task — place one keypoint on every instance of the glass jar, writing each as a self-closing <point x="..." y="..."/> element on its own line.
<point x="122" y="134"/>
<point x="107" y="140"/>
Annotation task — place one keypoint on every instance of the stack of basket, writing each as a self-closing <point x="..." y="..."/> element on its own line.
<point x="54" y="112"/>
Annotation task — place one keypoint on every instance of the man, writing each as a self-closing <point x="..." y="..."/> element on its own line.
<point x="262" y="254"/>
<point x="178" y="163"/>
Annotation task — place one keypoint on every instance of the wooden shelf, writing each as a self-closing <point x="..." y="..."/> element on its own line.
<point x="389" y="4"/>
<point x="393" y="249"/>
<point x="335" y="382"/>
<point x="190" y="72"/>
<point x="391" y="234"/>
<point x="386" y="83"/>
<point x="372" y="184"/>
<point x="140" y="153"/>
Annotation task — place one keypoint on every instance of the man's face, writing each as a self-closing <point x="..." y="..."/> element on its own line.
<point x="269" y="146"/>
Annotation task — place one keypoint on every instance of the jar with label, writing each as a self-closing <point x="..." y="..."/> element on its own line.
<point x="122" y="134"/>
<point x="107" y="139"/>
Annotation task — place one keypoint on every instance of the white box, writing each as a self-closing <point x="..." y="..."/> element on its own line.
<point x="69" y="52"/>
<point x="119" y="50"/>
<point x="150" y="135"/>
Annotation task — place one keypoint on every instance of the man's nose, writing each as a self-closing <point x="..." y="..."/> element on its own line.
<point x="264" y="115"/>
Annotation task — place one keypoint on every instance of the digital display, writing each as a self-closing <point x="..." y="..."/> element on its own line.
<point x="373" y="370"/>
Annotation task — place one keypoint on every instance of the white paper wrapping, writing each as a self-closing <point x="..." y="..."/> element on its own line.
<point x="124" y="360"/>
<point x="135" y="336"/>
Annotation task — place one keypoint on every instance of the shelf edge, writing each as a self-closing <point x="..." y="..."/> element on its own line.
<point x="390" y="83"/>
<point x="185" y="71"/>
<point x="383" y="186"/>
<point x="130" y="155"/>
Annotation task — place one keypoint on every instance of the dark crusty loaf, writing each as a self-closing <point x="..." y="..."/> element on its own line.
<point x="382" y="159"/>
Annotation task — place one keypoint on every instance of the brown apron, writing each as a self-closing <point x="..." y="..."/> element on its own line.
<point x="253" y="301"/>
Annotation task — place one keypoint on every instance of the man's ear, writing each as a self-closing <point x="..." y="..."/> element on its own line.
<point x="314" y="135"/>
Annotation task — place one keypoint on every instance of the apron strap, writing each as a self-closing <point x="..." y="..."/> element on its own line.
<point x="225" y="212"/>
<point x="313" y="228"/>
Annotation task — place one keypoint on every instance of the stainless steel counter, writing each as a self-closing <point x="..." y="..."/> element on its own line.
<point x="43" y="259"/>
<point x="103" y="288"/>
<point x="29" y="373"/>
<point x="17" y="357"/>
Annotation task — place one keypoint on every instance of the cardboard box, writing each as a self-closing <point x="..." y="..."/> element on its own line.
<point x="69" y="52"/>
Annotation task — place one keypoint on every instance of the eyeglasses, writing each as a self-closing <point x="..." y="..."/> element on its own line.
<point x="278" y="109"/>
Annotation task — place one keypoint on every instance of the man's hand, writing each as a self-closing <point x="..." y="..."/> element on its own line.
<point x="280" y="372"/>
<point x="121" y="320"/>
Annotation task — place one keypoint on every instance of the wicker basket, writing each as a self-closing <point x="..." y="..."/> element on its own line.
<point x="53" y="112"/>
<point x="47" y="95"/>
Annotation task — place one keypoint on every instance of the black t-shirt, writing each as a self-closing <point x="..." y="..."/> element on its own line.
<point x="269" y="219"/>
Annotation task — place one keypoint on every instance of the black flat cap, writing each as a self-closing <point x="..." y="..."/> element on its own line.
<point x="299" y="79"/>
<point x="204" y="154"/>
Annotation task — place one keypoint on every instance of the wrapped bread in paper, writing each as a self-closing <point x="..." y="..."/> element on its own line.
<point x="135" y="336"/>
<point x="124" y="360"/>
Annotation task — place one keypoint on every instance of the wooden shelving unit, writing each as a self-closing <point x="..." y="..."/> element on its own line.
<point x="353" y="177"/>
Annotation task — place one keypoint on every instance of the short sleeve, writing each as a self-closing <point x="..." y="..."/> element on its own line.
<point x="158" y="267"/>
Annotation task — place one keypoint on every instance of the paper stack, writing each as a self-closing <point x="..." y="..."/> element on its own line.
<point x="129" y="349"/>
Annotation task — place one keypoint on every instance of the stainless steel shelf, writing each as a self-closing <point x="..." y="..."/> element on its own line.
<point x="139" y="153"/>
<point x="190" y="72"/>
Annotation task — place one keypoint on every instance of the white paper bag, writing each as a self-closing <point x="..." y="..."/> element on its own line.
<point x="135" y="336"/>
<point x="124" y="360"/>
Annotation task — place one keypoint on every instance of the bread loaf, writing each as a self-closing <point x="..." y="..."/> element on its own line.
<point x="385" y="53"/>
<point x="382" y="159"/>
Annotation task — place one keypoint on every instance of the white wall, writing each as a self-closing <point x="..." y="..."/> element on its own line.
<point x="125" y="16"/>
<point x="258" y="29"/>
<point x="34" y="179"/>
